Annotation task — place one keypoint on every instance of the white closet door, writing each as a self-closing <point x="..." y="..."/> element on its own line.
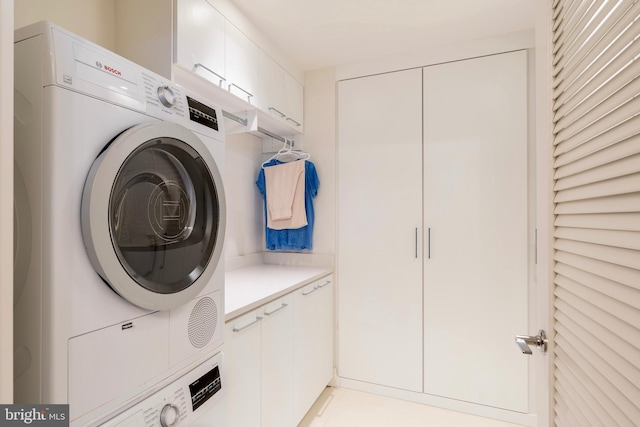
<point x="476" y="219"/>
<point x="380" y="216"/>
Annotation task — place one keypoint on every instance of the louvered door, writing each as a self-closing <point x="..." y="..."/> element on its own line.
<point x="596" y="47"/>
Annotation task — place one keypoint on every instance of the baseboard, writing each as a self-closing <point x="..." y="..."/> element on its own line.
<point x="529" y="420"/>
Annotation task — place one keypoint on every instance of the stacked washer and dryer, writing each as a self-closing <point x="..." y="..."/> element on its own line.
<point x="119" y="232"/>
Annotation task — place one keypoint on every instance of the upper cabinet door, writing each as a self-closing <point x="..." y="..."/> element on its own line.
<point x="294" y="98"/>
<point x="242" y="64"/>
<point x="280" y="94"/>
<point x="200" y="40"/>
<point x="272" y="75"/>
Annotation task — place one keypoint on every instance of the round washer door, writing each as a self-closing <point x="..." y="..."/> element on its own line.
<point x="153" y="215"/>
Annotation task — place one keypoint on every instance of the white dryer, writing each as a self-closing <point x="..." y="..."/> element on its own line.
<point x="119" y="230"/>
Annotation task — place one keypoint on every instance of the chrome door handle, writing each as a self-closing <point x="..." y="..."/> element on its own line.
<point x="315" y="288"/>
<point x="282" y="115"/>
<point x="293" y="121"/>
<point x="199" y="65"/>
<point x="249" y="94"/>
<point x="258" y="318"/>
<point x="269" y="313"/>
<point x="524" y="341"/>
<point x="324" y="284"/>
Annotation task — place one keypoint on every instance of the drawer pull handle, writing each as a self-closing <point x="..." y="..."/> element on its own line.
<point x="258" y="318"/>
<point x="269" y="313"/>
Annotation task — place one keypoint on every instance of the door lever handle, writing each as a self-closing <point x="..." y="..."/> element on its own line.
<point x="540" y="341"/>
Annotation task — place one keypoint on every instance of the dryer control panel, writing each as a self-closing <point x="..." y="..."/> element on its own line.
<point x="179" y="403"/>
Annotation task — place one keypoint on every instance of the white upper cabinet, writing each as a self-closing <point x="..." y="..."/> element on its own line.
<point x="294" y="100"/>
<point x="272" y="99"/>
<point x="280" y="94"/>
<point x="193" y="43"/>
<point x="242" y="64"/>
<point x="200" y="40"/>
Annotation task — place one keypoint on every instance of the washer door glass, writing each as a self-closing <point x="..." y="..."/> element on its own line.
<point x="164" y="215"/>
<point x="153" y="214"/>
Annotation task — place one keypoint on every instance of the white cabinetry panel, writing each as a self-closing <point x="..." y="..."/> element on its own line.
<point x="475" y="204"/>
<point x="280" y="357"/>
<point x="242" y="64"/>
<point x="200" y="39"/>
<point x="313" y="343"/>
<point x="294" y="101"/>
<point x="243" y="359"/>
<point x="379" y="222"/>
<point x="277" y="362"/>
<point x="272" y="99"/>
<point x="280" y="94"/>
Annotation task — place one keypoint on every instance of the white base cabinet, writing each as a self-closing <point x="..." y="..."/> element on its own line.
<point x="243" y="344"/>
<point x="280" y="357"/>
<point x="313" y="343"/>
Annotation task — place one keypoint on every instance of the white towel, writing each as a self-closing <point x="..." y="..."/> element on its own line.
<point x="285" y="196"/>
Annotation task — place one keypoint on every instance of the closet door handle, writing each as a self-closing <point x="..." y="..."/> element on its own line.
<point x="416" y="239"/>
<point x="258" y="318"/>
<point x="429" y="243"/>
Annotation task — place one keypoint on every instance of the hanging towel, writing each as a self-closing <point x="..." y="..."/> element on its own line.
<point x="300" y="239"/>
<point x="285" y="196"/>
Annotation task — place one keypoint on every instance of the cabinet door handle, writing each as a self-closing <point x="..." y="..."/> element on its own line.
<point x="199" y="65"/>
<point x="269" y="313"/>
<point x="249" y="94"/>
<point x="315" y="288"/>
<point x="416" y="239"/>
<point x="258" y="318"/>
<point x="294" y="122"/>
<point x="282" y="115"/>
<point x="429" y="243"/>
<point x="324" y="284"/>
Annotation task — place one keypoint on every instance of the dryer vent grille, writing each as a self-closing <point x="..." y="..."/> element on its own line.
<point x="203" y="322"/>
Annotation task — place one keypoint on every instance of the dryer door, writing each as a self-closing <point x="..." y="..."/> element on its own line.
<point x="153" y="215"/>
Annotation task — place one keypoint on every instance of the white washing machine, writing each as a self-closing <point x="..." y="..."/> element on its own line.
<point x="120" y="223"/>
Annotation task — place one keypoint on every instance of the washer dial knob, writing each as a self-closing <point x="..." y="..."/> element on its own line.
<point x="167" y="96"/>
<point x="169" y="416"/>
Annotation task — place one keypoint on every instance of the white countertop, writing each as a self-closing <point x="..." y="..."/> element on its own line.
<point x="250" y="287"/>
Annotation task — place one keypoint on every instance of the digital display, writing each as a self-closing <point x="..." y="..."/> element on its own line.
<point x="204" y="387"/>
<point x="203" y="114"/>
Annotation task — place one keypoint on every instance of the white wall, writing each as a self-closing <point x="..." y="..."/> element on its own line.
<point x="245" y="233"/>
<point x="6" y="193"/>
<point x="319" y="140"/>
<point x="92" y="19"/>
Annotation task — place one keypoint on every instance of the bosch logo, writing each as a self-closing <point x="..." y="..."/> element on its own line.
<point x="112" y="70"/>
<point x="108" y="68"/>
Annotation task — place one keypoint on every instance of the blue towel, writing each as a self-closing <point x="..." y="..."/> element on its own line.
<point x="301" y="238"/>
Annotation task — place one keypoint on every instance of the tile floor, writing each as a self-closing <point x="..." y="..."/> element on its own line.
<point x="338" y="407"/>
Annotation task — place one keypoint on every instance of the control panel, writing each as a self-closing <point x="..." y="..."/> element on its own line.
<point x="179" y="403"/>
